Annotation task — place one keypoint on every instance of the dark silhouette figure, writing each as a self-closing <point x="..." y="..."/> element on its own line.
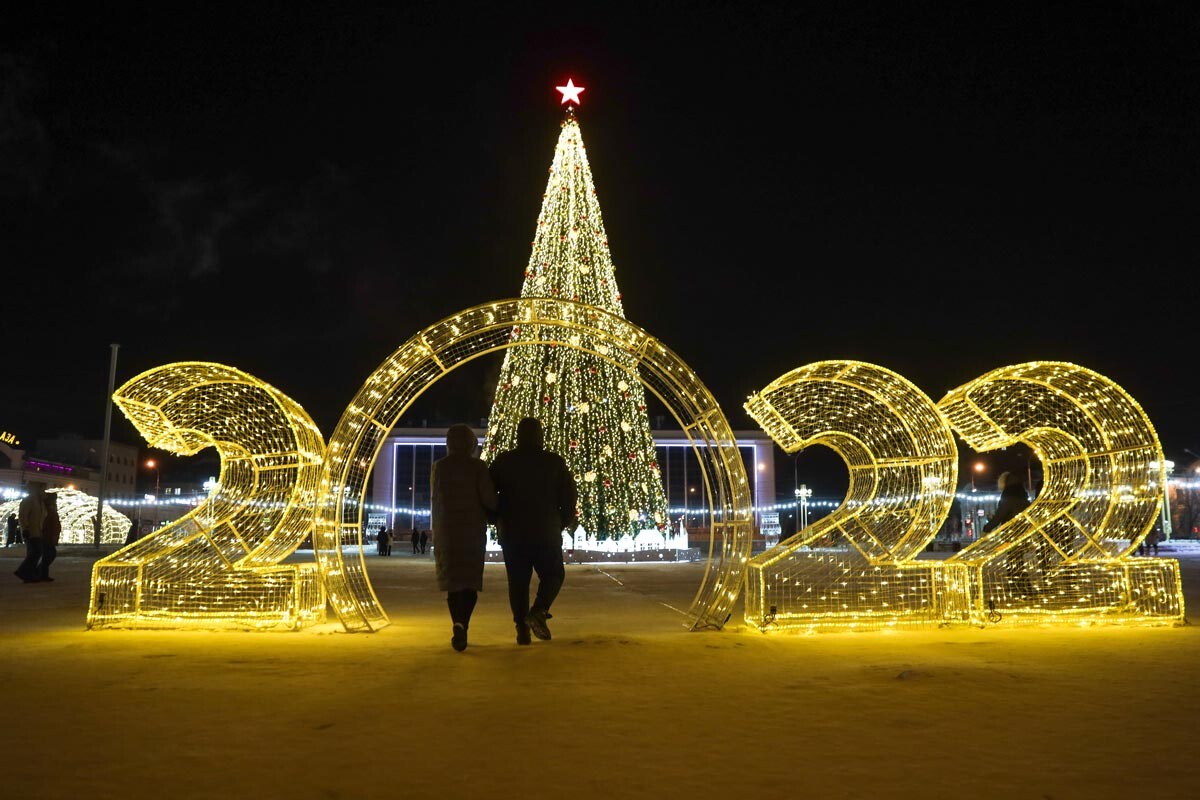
<point x="13" y="534"/>
<point x="462" y="496"/>
<point x="134" y="533"/>
<point x="384" y="541"/>
<point x="51" y="531"/>
<point x="416" y="539"/>
<point x="31" y="514"/>
<point x="1013" y="501"/>
<point x="537" y="500"/>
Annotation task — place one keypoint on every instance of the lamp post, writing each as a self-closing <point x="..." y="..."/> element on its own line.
<point x="152" y="464"/>
<point x="978" y="466"/>
<point x="802" y="495"/>
<point x="1168" y="468"/>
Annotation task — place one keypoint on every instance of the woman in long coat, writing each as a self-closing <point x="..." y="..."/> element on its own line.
<point x="463" y="495"/>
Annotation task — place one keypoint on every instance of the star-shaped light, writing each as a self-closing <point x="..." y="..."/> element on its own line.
<point x="570" y="92"/>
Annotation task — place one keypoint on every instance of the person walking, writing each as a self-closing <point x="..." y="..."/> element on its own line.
<point x="381" y="541"/>
<point x="1013" y="501"/>
<point x="537" y="500"/>
<point x="31" y="514"/>
<point x="13" y="533"/>
<point x="416" y="539"/>
<point x="424" y="541"/>
<point x="51" y="530"/>
<point x="462" y="495"/>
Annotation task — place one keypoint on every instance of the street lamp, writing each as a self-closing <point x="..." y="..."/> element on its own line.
<point x="1168" y="467"/>
<point x="802" y="495"/>
<point x="978" y="466"/>
<point x="152" y="464"/>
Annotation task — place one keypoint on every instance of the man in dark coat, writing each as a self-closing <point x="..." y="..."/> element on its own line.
<point x="537" y="500"/>
<point x="31" y="513"/>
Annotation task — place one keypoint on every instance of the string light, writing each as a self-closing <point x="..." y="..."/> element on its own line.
<point x="77" y="512"/>
<point x="855" y="568"/>
<point x="592" y="410"/>
<point x="219" y="565"/>
<point x="418" y="363"/>
<point x="1066" y="558"/>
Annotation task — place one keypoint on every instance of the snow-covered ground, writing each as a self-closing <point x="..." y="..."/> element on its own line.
<point x="624" y="702"/>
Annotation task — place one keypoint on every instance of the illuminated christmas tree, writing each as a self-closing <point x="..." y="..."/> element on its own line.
<point x="594" y="412"/>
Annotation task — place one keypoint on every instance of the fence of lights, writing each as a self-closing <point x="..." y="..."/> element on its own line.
<point x="1063" y="559"/>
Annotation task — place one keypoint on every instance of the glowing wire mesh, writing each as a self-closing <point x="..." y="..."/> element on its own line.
<point x="419" y="362"/>
<point x="1067" y="556"/>
<point x="220" y="564"/>
<point x="76" y="511"/>
<point x="855" y="568"/>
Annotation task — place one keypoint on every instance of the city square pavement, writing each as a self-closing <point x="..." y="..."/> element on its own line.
<point x="623" y="702"/>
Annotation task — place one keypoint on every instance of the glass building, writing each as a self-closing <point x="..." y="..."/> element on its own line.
<point x="400" y="481"/>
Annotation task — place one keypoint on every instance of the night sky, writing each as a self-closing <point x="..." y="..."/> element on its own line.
<point x="295" y="190"/>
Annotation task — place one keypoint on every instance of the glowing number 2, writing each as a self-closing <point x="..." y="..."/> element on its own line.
<point x="1066" y="556"/>
<point x="220" y="564"/>
<point x="855" y="568"/>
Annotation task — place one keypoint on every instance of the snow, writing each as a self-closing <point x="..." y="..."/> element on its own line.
<point x="624" y="702"/>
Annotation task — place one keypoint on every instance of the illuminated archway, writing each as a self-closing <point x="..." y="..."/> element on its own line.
<point x="422" y="360"/>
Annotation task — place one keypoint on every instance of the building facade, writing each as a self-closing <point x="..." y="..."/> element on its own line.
<point x="400" y="481"/>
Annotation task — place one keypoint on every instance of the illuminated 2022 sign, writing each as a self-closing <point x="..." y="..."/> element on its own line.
<point x="1065" y="559"/>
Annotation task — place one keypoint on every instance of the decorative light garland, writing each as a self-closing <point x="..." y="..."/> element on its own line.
<point x="592" y="407"/>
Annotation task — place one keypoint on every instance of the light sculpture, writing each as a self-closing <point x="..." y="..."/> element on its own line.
<point x="1067" y="557"/>
<point x="76" y="510"/>
<point x="856" y="567"/>
<point x="452" y="342"/>
<point x="220" y="565"/>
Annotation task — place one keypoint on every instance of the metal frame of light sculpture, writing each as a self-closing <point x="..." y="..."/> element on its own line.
<point x="220" y="564"/>
<point x="854" y="569"/>
<point x="423" y="359"/>
<point x="1066" y="558"/>
<point x="76" y="512"/>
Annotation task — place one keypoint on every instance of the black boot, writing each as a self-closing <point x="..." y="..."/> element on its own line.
<point x="523" y="635"/>
<point x="536" y="620"/>
<point x="459" y="640"/>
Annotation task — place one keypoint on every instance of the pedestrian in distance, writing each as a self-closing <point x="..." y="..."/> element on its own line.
<point x="134" y="533"/>
<point x="51" y="531"/>
<point x="1013" y="501"/>
<point x="424" y="541"/>
<point x="537" y="501"/>
<point x="31" y="514"/>
<point x="462" y="497"/>
<point x="13" y="532"/>
<point x="1149" y="544"/>
<point x="416" y="539"/>
<point x="384" y="541"/>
